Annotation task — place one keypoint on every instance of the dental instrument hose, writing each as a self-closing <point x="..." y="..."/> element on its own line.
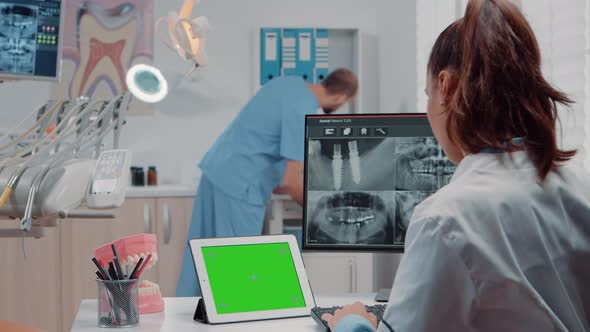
<point x="32" y="128"/>
<point x="10" y="187"/>
<point x="5" y="194"/>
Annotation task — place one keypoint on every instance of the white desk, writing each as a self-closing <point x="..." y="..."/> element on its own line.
<point x="179" y="312"/>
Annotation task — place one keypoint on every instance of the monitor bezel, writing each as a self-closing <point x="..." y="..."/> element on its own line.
<point x="58" y="71"/>
<point x="343" y="248"/>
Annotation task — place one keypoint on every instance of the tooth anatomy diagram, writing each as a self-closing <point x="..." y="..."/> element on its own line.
<point x="103" y="40"/>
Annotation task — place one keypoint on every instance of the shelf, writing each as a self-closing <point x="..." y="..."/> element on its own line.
<point x="345" y="47"/>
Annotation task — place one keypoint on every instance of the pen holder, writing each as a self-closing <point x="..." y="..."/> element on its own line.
<point x="118" y="303"/>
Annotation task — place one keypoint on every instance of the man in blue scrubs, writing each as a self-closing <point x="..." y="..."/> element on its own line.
<point x="263" y="148"/>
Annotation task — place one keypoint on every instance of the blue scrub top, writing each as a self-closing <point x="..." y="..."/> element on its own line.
<point x="248" y="160"/>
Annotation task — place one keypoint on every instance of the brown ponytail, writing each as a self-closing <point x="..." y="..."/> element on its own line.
<point x="501" y="92"/>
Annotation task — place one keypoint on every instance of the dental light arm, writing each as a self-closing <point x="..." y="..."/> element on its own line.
<point x="188" y="35"/>
<point x="49" y="177"/>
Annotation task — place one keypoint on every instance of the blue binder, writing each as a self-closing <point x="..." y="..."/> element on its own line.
<point x="270" y="54"/>
<point x="322" y="47"/>
<point x="289" y="52"/>
<point x="306" y="54"/>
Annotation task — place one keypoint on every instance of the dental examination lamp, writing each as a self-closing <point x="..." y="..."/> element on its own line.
<point x="187" y="36"/>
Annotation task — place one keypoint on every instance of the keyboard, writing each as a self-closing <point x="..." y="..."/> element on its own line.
<point x="317" y="312"/>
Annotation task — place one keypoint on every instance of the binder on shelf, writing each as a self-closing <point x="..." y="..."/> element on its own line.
<point x="302" y="52"/>
<point x="270" y="54"/>
<point x="306" y="54"/>
<point x="322" y="64"/>
<point x="289" y="52"/>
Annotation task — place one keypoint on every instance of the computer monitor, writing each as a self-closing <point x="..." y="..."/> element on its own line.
<point x="364" y="174"/>
<point x="30" y="39"/>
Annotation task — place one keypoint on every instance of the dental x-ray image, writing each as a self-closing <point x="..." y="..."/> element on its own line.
<point x="421" y="164"/>
<point x="350" y="164"/>
<point x="405" y="202"/>
<point x="18" y="30"/>
<point x="350" y="218"/>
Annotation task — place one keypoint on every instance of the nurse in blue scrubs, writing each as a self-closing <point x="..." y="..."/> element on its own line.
<point x="263" y="148"/>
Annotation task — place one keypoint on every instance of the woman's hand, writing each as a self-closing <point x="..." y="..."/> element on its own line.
<point x="356" y="308"/>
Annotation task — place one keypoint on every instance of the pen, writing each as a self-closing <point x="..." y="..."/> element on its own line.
<point x="132" y="276"/>
<point x="118" y="268"/>
<point x="105" y="275"/>
<point x="99" y="275"/>
<point x="112" y="271"/>
<point x="147" y="260"/>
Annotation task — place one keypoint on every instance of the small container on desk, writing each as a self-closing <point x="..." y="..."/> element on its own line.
<point x="137" y="176"/>
<point x="118" y="303"/>
<point x="152" y="176"/>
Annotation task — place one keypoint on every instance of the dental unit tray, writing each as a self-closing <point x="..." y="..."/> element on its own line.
<point x="48" y="171"/>
<point x="109" y="180"/>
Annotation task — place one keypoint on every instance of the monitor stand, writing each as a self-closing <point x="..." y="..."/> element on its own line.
<point x="383" y="295"/>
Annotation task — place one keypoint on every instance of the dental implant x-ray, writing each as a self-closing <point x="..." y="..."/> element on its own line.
<point x="347" y="165"/>
<point x="18" y="31"/>
<point x="364" y="176"/>
<point x="362" y="192"/>
<point x="351" y="218"/>
<point x="405" y="202"/>
<point x="420" y="164"/>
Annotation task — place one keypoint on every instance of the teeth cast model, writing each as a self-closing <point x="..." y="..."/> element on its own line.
<point x="130" y="250"/>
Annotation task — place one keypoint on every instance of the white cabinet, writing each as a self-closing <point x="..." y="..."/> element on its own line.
<point x="172" y="221"/>
<point x="45" y="290"/>
<point x="337" y="273"/>
<point x="30" y="287"/>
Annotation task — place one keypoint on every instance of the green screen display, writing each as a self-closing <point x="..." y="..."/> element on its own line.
<point x="253" y="277"/>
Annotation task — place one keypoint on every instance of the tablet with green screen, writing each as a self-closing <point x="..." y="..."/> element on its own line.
<point x="252" y="278"/>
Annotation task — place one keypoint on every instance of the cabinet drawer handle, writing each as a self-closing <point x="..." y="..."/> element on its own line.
<point x="353" y="282"/>
<point x="147" y="220"/>
<point x="166" y="220"/>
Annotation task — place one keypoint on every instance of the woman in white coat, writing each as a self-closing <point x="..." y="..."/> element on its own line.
<point x="506" y="245"/>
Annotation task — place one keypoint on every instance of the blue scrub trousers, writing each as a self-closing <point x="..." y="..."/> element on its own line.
<point x="216" y="214"/>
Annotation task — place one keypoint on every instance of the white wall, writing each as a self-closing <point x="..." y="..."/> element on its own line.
<point x="195" y="114"/>
<point x="397" y="56"/>
<point x="190" y="119"/>
<point x="19" y="100"/>
<point x="397" y="83"/>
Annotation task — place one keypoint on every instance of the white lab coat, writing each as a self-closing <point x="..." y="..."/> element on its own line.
<point x="496" y="250"/>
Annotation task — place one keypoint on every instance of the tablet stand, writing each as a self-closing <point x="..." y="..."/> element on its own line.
<point x="201" y="312"/>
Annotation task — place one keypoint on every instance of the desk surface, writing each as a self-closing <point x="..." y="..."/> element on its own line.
<point x="178" y="316"/>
